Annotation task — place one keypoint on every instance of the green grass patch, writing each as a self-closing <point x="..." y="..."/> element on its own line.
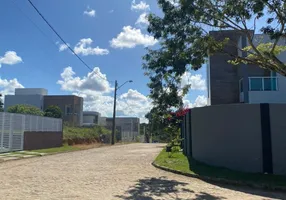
<point x="82" y="135"/>
<point x="62" y="149"/>
<point x="179" y="162"/>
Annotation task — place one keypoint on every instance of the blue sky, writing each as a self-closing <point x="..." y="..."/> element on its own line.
<point x="106" y="34"/>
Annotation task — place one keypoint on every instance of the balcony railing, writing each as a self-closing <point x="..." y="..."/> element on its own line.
<point x="261" y="84"/>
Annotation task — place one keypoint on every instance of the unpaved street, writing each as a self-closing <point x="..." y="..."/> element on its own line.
<point x="119" y="172"/>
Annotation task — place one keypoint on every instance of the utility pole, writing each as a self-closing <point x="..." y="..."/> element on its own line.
<point x="114" y="114"/>
<point x="114" y="109"/>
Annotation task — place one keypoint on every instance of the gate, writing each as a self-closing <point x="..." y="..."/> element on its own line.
<point x="12" y="128"/>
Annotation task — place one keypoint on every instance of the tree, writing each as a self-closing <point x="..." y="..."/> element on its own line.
<point x="1" y="104"/>
<point x="25" y="109"/>
<point x="183" y="32"/>
<point x="53" y="111"/>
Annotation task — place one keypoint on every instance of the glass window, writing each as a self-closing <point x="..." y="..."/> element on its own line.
<point x="270" y="84"/>
<point x="256" y="84"/>
<point x="273" y="74"/>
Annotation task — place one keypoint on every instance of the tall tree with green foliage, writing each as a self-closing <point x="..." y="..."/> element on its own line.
<point x="53" y="111"/>
<point x="185" y="41"/>
<point x="1" y="104"/>
<point x="25" y="109"/>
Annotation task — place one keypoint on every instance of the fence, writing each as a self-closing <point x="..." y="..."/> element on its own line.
<point x="243" y="137"/>
<point x="13" y="126"/>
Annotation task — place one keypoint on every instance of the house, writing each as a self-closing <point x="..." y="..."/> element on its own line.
<point x="129" y="127"/>
<point x="91" y="118"/>
<point x="29" y="96"/>
<point x="71" y="106"/>
<point x="228" y="84"/>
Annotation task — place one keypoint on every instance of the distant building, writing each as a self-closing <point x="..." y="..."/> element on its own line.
<point x="29" y="96"/>
<point x="91" y="118"/>
<point x="129" y="127"/>
<point x="71" y="106"/>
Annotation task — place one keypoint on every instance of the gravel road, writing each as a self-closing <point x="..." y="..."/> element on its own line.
<point x="118" y="172"/>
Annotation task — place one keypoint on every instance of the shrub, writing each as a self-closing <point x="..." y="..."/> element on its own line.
<point x="86" y="135"/>
<point x="53" y="111"/>
<point x="25" y="109"/>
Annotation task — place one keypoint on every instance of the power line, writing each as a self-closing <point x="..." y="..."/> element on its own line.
<point x="61" y="38"/>
<point x="39" y="29"/>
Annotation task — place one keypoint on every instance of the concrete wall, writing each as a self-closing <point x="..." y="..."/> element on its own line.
<point x="31" y="91"/>
<point x="228" y="136"/>
<point x="278" y="137"/>
<point x="34" y="100"/>
<point x="42" y="140"/>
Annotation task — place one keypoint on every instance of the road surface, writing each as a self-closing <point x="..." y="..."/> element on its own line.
<point x="118" y="172"/>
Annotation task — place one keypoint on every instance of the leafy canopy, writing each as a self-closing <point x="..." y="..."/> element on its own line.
<point x="183" y="33"/>
<point x="25" y="109"/>
<point x="53" y="111"/>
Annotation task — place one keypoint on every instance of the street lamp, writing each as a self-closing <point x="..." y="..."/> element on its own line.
<point x="114" y="109"/>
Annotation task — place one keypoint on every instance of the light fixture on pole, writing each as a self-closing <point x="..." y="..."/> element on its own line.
<point x="114" y="109"/>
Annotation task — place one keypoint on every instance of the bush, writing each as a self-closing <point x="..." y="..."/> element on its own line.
<point x="53" y="111"/>
<point x="80" y="135"/>
<point x="25" y="109"/>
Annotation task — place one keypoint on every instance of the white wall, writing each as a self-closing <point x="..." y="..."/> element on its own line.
<point x="31" y="91"/>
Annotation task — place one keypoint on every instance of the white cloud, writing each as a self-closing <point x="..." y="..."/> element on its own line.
<point x="94" y="81"/>
<point x="89" y="12"/>
<point x="140" y="6"/>
<point x="111" y="11"/>
<point x="142" y="20"/>
<point x="83" y="47"/>
<point x="98" y="97"/>
<point x="174" y="2"/>
<point x="10" y="58"/>
<point x="63" y="47"/>
<point x="196" y="81"/>
<point x="131" y="37"/>
<point x="200" y="101"/>
<point x="8" y="86"/>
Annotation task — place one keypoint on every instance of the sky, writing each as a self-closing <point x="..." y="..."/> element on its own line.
<point x="110" y="36"/>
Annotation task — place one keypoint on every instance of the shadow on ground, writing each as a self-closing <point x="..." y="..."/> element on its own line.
<point x="161" y="188"/>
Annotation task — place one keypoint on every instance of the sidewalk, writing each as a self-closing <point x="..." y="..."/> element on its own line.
<point x="19" y="155"/>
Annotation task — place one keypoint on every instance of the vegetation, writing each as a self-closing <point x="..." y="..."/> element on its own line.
<point x="1" y="104"/>
<point x="62" y="149"/>
<point x="180" y="163"/>
<point x="53" y="111"/>
<point x="81" y="135"/>
<point x="183" y="32"/>
<point x="25" y="109"/>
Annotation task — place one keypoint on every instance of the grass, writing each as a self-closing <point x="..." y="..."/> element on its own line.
<point x="81" y="135"/>
<point x="62" y="149"/>
<point x="179" y="162"/>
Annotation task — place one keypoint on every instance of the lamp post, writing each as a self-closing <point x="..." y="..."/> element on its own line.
<point x="114" y="109"/>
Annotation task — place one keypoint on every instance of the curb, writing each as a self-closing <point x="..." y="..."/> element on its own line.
<point x="222" y="180"/>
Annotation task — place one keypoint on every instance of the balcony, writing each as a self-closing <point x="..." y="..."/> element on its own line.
<point x="260" y="84"/>
<point x="262" y="90"/>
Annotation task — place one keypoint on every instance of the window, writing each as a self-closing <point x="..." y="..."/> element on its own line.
<point x="68" y="109"/>
<point x="256" y="84"/>
<point x="270" y="84"/>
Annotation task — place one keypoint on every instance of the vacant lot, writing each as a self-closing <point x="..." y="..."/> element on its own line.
<point x="118" y="172"/>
